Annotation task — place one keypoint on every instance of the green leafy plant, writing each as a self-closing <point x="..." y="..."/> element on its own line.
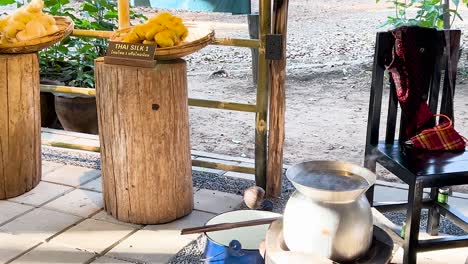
<point x="429" y="13"/>
<point x="72" y="60"/>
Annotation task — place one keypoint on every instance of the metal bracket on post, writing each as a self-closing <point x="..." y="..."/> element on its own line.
<point x="274" y="47"/>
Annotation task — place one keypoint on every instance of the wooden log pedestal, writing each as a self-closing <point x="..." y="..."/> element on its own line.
<point x="20" y="124"/>
<point x="145" y="141"/>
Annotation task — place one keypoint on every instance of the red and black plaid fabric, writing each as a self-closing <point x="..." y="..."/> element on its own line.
<point x="440" y="137"/>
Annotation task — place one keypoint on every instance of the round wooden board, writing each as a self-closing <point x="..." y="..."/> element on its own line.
<point x="278" y="253"/>
<point x="65" y="25"/>
<point x="199" y="36"/>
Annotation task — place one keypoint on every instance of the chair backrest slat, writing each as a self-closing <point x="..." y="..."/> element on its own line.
<point x="435" y="82"/>
<point x="382" y="47"/>
<point x="453" y="36"/>
<point x="392" y="113"/>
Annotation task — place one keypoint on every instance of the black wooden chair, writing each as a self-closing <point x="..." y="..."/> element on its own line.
<point x="417" y="169"/>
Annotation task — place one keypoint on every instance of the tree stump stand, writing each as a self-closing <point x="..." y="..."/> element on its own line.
<point x="145" y="141"/>
<point x="20" y="124"/>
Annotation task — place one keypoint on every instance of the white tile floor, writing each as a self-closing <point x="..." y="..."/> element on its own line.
<point x="62" y="221"/>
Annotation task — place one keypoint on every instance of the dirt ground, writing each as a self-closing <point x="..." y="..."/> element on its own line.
<point x="330" y="49"/>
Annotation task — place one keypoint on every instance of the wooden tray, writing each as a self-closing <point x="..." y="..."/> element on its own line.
<point x="278" y="253"/>
<point x="65" y="26"/>
<point x="199" y="36"/>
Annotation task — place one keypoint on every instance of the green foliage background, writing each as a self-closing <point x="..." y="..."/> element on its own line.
<point x="429" y="13"/>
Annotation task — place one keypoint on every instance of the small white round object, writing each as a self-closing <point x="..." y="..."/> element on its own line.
<point x="253" y="197"/>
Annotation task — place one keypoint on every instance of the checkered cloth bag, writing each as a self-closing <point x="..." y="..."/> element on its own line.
<point x="441" y="137"/>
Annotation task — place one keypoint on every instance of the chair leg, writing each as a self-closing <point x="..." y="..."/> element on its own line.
<point x="413" y="220"/>
<point x="433" y="218"/>
<point x="370" y="164"/>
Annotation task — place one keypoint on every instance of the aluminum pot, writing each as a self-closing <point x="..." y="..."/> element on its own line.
<point x="328" y="214"/>
<point x="239" y="245"/>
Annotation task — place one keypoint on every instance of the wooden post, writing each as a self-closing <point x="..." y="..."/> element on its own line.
<point x="446" y="14"/>
<point x="20" y="124"/>
<point x="261" y="115"/>
<point x="253" y="32"/>
<point x="277" y="104"/>
<point x="145" y="144"/>
<point x="124" y="13"/>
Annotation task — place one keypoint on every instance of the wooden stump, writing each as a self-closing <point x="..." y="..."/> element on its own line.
<point x="145" y="141"/>
<point x="20" y="124"/>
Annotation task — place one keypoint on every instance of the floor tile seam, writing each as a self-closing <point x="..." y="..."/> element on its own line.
<point x="118" y="242"/>
<point x="34" y="207"/>
<point x="66" y="228"/>
<point x="54" y="169"/>
<point x="191" y="240"/>
<point x="56" y="197"/>
<point x="215" y="213"/>
<point x="51" y="199"/>
<point x="18" y="216"/>
<point x="96" y="257"/>
<point x="72" y="214"/>
<point x="88" y="189"/>
<point x="25" y="252"/>
<point x="127" y="259"/>
<point x="111" y="222"/>
<point x="74" y="186"/>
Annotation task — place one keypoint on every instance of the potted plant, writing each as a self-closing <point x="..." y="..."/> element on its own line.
<point x="71" y="62"/>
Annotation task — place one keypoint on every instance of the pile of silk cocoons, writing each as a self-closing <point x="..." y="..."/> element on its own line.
<point x="26" y="23"/>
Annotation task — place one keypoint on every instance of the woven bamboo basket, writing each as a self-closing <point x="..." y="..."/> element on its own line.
<point x="199" y="36"/>
<point x="65" y="26"/>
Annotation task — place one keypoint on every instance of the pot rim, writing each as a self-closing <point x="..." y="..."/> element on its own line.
<point x="323" y="195"/>
<point x="267" y="215"/>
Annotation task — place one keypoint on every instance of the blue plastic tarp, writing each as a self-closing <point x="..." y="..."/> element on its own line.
<point x="226" y="6"/>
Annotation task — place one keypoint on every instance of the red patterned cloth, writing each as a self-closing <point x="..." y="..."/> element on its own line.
<point x="411" y="68"/>
<point x="440" y="137"/>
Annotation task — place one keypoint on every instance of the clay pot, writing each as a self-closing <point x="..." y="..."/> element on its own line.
<point x="48" y="116"/>
<point x="77" y="114"/>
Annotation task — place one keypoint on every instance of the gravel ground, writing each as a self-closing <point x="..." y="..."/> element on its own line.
<point x="193" y="253"/>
